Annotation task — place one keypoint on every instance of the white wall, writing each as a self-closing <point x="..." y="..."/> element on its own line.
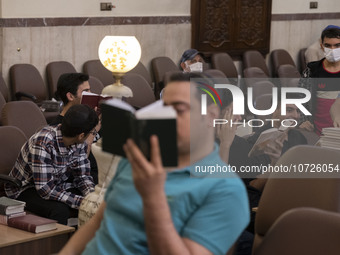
<point x="302" y="6"/>
<point x="91" y="8"/>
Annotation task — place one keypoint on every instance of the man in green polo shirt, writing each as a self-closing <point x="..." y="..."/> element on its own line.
<point x="152" y="210"/>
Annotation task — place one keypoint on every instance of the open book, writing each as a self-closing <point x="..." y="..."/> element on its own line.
<point x="266" y="137"/>
<point x="93" y="100"/>
<point x="121" y="121"/>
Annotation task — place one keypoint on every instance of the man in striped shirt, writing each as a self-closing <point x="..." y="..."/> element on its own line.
<point x="53" y="167"/>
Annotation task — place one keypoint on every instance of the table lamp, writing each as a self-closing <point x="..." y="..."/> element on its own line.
<point x="119" y="54"/>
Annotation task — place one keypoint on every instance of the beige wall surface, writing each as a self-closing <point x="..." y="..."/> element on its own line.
<point x="302" y="6"/>
<point x="86" y="8"/>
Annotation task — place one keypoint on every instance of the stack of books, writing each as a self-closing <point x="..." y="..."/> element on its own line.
<point x="13" y="215"/>
<point x="10" y="208"/>
<point x="330" y="138"/>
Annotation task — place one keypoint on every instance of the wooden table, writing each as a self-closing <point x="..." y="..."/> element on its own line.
<point x="16" y="242"/>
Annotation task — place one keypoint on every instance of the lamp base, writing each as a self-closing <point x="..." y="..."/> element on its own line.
<point x="117" y="91"/>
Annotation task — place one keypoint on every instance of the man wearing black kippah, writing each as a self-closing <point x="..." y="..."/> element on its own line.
<point x="53" y="167"/>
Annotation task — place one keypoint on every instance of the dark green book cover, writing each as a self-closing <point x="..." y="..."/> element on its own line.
<point x="120" y="124"/>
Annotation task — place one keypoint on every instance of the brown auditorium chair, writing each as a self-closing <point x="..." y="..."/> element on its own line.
<point x="280" y="57"/>
<point x="253" y="58"/>
<point x="141" y="70"/>
<point x="167" y="76"/>
<point x="261" y="88"/>
<point x="53" y="72"/>
<point x="26" y="83"/>
<point x="214" y="73"/>
<point x="289" y="75"/>
<point x="142" y="92"/>
<point x="2" y="103"/>
<point x="95" y="68"/>
<point x="253" y="75"/>
<point x="12" y="139"/>
<point x="25" y="115"/>
<point x="302" y="59"/>
<point x="4" y="88"/>
<point x="263" y="102"/>
<point x="223" y="62"/>
<point x="303" y="230"/>
<point x="96" y="85"/>
<point x="284" y="191"/>
<point x="161" y="65"/>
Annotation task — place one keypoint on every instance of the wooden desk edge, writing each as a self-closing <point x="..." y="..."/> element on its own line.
<point x="20" y="236"/>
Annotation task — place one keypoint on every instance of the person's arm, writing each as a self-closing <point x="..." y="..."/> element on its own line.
<point x="46" y="176"/>
<point x="83" y="235"/>
<point x="149" y="179"/>
<point x="335" y="112"/>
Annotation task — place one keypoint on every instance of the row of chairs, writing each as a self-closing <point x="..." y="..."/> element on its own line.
<point x="283" y="193"/>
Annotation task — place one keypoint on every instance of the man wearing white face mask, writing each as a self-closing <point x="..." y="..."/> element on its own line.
<point x="192" y="61"/>
<point x="324" y="91"/>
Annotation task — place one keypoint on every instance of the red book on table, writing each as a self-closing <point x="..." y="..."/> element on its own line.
<point x="32" y="223"/>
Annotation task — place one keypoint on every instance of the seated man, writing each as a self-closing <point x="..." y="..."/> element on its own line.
<point x="162" y="210"/>
<point x="192" y="61"/>
<point x="53" y="166"/>
<point x="69" y="89"/>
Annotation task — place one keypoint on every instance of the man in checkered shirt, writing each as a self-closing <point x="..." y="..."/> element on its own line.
<point x="53" y="167"/>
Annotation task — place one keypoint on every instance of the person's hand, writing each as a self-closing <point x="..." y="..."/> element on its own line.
<point x="274" y="148"/>
<point x="148" y="176"/>
<point x="336" y="122"/>
<point x="225" y="132"/>
<point x="307" y="126"/>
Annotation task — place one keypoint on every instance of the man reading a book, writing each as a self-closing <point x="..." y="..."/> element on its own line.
<point x="53" y="167"/>
<point x="69" y="89"/>
<point x="152" y="210"/>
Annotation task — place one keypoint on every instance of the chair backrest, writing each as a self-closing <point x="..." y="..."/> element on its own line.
<point x="263" y="102"/>
<point x="12" y="139"/>
<point x="142" y="93"/>
<point x="262" y="88"/>
<point x="253" y="75"/>
<point x="289" y="75"/>
<point x="161" y="65"/>
<point x="282" y="194"/>
<point x="280" y="57"/>
<point x="96" y="85"/>
<point x="141" y="70"/>
<point x="223" y="62"/>
<point x="3" y="88"/>
<point x="27" y="79"/>
<point x="2" y="103"/>
<point x="302" y="59"/>
<point x="95" y="68"/>
<point x="53" y="72"/>
<point x="215" y="73"/>
<point x="25" y="115"/>
<point x="303" y="231"/>
<point x="253" y="58"/>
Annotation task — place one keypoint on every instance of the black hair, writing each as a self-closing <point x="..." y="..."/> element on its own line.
<point x="79" y="119"/>
<point x="69" y="82"/>
<point x="330" y="33"/>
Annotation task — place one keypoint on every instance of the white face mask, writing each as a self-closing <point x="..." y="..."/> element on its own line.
<point x="196" y="67"/>
<point x="332" y="55"/>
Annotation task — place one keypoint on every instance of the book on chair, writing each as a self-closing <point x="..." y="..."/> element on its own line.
<point x="9" y="206"/>
<point x="32" y="223"/>
<point x="121" y="121"/>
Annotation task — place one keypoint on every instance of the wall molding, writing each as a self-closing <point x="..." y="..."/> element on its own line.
<point x="143" y="20"/>
<point x="305" y="16"/>
<point x="94" y="21"/>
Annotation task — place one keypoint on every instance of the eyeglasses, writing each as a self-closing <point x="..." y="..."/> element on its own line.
<point x="94" y="132"/>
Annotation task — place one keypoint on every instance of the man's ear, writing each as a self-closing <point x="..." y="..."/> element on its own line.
<point x="183" y="66"/>
<point x="81" y="136"/>
<point x="70" y="96"/>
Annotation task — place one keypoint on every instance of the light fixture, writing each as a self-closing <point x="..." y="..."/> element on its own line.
<point x="119" y="54"/>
